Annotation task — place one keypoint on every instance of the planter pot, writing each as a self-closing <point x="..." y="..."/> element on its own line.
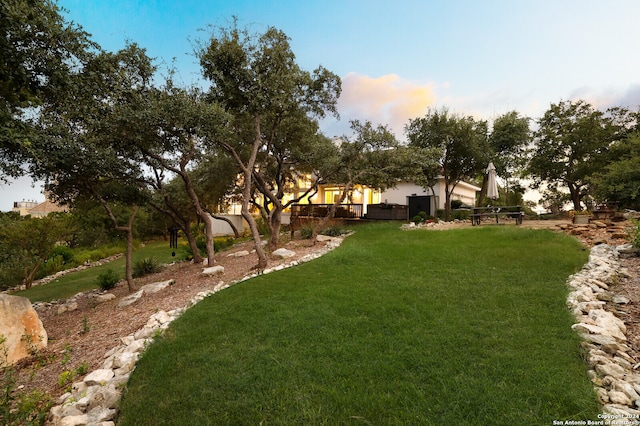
<point x="581" y="219"/>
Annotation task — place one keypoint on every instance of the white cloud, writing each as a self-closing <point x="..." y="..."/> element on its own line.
<point x="388" y="100"/>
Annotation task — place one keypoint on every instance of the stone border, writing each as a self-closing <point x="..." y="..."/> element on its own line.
<point x="611" y="368"/>
<point x="95" y="400"/>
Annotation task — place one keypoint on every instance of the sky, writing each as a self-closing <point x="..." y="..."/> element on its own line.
<point x="398" y="59"/>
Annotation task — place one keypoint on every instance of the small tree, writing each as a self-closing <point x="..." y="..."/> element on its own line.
<point x="29" y="242"/>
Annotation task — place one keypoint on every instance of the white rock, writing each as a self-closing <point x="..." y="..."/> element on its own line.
<point x="283" y="253"/>
<point x="107" y="397"/>
<point x="627" y="389"/>
<point x="130" y="299"/>
<point x="240" y="253"/>
<point x="102" y="298"/>
<point x="161" y="317"/>
<point x="613" y="370"/>
<point x="98" y="377"/>
<point x="101" y="414"/>
<point x="144" y="333"/>
<point x="618" y="397"/>
<point x="136" y="346"/>
<point x="156" y="287"/>
<point x="82" y="419"/>
<point x="124" y="358"/>
<point x="213" y="270"/>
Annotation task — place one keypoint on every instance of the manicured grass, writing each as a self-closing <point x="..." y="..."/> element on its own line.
<point x="68" y="285"/>
<point x="463" y="327"/>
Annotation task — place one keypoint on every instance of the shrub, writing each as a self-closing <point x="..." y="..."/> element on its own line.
<point x="146" y="266"/>
<point x="306" y="232"/>
<point x="63" y="252"/>
<point x="222" y="243"/>
<point x="417" y="219"/>
<point x="333" y="231"/>
<point x="108" y="279"/>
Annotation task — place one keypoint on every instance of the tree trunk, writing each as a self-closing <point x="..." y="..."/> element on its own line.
<point x="483" y="191"/>
<point x="191" y="240"/>
<point x="129" y="230"/>
<point x="275" y="224"/>
<point x="246" y="196"/>
<point x="129" y="254"/>
<point x="575" y="197"/>
<point x="29" y="274"/>
<point x="202" y="214"/>
<point x="447" y="201"/>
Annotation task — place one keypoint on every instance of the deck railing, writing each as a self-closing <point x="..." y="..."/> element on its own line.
<point x="348" y="211"/>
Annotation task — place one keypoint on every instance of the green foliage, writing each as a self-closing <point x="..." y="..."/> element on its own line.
<point x="146" y="266"/>
<point x="85" y="325"/>
<point x="306" y="232"/>
<point x="572" y="144"/>
<point x="619" y="180"/>
<point x="420" y="218"/>
<point x="82" y="369"/>
<point x="334" y="231"/>
<point x="108" y="279"/>
<point x="66" y="378"/>
<point x="461" y="142"/>
<point x="84" y="255"/>
<point x="460" y="214"/>
<point x="28" y="242"/>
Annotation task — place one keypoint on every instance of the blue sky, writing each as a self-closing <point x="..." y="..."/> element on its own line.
<point x="397" y="59"/>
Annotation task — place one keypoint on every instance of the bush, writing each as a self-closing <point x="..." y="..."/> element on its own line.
<point x="146" y="266"/>
<point x="108" y="279"/>
<point x="456" y="204"/>
<point x="417" y="219"/>
<point x="63" y="252"/>
<point x="306" y="232"/>
<point x="333" y="231"/>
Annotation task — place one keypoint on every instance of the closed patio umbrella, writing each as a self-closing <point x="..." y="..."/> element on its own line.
<point x="492" y="184"/>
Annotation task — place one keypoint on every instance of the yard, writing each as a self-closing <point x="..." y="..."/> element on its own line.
<point x="467" y="326"/>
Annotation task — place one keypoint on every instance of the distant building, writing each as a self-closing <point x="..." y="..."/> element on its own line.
<point x="36" y="209"/>
<point x="24" y="206"/>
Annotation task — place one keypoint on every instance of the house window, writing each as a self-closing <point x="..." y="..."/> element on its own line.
<point x="331" y="195"/>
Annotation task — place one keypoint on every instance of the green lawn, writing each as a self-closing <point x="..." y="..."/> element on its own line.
<point x="68" y="285"/>
<point x="462" y="327"/>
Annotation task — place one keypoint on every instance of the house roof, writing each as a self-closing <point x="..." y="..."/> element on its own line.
<point x="45" y="208"/>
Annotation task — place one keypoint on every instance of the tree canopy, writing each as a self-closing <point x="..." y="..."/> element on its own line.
<point x="39" y="52"/>
<point x="572" y="143"/>
<point x="461" y="143"/>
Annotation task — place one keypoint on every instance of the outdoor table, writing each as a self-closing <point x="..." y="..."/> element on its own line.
<point x="514" y="212"/>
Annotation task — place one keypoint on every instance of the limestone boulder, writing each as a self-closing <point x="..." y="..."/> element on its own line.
<point x="21" y="327"/>
<point x="283" y="253"/>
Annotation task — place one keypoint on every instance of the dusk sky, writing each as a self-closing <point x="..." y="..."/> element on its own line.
<point x="398" y="59"/>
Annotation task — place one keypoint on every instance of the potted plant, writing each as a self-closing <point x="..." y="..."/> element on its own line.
<point x="580" y="216"/>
